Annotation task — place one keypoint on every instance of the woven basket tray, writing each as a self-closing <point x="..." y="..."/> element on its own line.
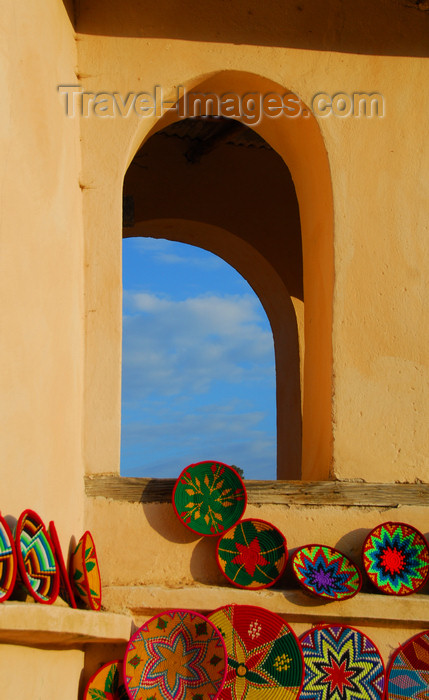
<point x="264" y="655"/>
<point x="408" y="672"/>
<point x="209" y="498"/>
<point x="396" y="558"/>
<point x="107" y="683"/>
<point x="36" y="561"/>
<point x="325" y="572"/>
<point x="342" y="663"/>
<point x="177" y="655"/>
<point x="84" y="572"/>
<point x="252" y="554"/>
<point x="66" y="591"/>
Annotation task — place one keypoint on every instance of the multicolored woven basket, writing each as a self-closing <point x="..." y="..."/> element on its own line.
<point x="107" y="683"/>
<point x="341" y="663"/>
<point x="324" y="571"/>
<point x="264" y="656"/>
<point x="209" y="498"/>
<point x="396" y="558"/>
<point x="179" y="655"/>
<point x="8" y="560"/>
<point x="36" y="561"/>
<point x="408" y="672"/>
<point x="252" y="554"/>
<point x="84" y="572"/>
<point x="66" y="591"/>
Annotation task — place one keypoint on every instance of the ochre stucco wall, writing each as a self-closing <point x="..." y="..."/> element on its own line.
<point x="365" y="383"/>
<point x="362" y="191"/>
<point x="39" y="673"/>
<point x="41" y="270"/>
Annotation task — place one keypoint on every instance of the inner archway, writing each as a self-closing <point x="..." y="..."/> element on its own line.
<point x="198" y="372"/>
<point x="216" y="184"/>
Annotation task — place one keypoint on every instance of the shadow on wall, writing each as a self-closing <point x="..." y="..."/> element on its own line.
<point x="387" y="27"/>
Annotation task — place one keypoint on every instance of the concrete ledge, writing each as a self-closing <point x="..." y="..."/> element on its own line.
<point x="32" y="624"/>
<point x="294" y="605"/>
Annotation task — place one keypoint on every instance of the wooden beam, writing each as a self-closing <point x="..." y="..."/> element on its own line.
<point x="315" y="493"/>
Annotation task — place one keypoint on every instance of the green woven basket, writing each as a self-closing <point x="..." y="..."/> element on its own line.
<point x="252" y="554"/>
<point x="209" y="498"/>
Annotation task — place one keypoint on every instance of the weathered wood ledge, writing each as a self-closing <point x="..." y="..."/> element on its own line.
<point x="314" y="493"/>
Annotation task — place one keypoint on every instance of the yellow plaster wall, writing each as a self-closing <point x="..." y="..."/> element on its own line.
<point x="41" y="269"/>
<point x="145" y="543"/>
<point x="61" y="357"/>
<point x="366" y="418"/>
<point x="40" y="674"/>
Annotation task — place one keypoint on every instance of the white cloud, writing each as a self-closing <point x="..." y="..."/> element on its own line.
<point x="184" y="346"/>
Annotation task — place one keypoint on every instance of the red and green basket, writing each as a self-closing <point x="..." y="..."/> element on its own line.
<point x="209" y="498"/>
<point x="252" y="554"/>
<point x="66" y="591"/>
<point x="264" y="655"/>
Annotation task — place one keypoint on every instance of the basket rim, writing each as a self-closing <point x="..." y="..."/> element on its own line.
<point x="58" y="554"/>
<point x="95" y="674"/>
<point x="28" y="512"/>
<point x="14" y="557"/>
<point x="196" y="464"/>
<point x="398" y="650"/>
<point x="325" y="596"/>
<point x="85" y="573"/>
<point x="264" y="585"/>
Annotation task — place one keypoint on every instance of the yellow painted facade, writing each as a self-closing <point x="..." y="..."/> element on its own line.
<point x="351" y="349"/>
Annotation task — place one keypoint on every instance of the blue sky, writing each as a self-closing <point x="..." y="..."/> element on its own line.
<point x="198" y="377"/>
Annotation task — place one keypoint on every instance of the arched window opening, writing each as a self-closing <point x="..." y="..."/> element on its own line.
<point x="198" y="375"/>
<point x="218" y="185"/>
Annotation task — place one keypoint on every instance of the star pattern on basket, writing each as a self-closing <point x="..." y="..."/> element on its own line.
<point x="250" y="556"/>
<point x="326" y="572"/>
<point x="341" y="664"/>
<point x="175" y="660"/>
<point x="163" y="669"/>
<point x="264" y="658"/>
<point x="396" y="558"/>
<point x="408" y="675"/>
